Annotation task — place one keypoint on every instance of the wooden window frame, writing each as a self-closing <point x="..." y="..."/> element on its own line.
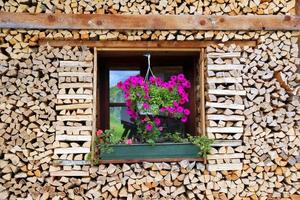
<point x="106" y="63"/>
<point x="198" y="52"/>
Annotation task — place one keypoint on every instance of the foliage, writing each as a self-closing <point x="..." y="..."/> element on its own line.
<point x="88" y="157"/>
<point x="175" y="137"/>
<point x="203" y="142"/>
<point x="106" y="138"/>
<point x="147" y="99"/>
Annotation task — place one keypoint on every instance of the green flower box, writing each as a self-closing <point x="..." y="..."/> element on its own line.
<point x="175" y="151"/>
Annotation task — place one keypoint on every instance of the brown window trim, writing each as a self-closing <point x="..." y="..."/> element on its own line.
<point x="188" y="62"/>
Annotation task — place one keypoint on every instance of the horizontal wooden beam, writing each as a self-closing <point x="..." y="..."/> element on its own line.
<point x="226" y="117"/>
<point x="64" y="137"/>
<point x="225" y="166"/>
<point x="70" y="162"/>
<point x="69" y="173"/>
<point x="147" y="22"/>
<point x="229" y="143"/>
<point x="225" y="156"/>
<point x="71" y="150"/>
<point x="231" y="130"/>
<point x="147" y="45"/>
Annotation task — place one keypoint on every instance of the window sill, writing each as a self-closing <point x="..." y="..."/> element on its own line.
<point x="161" y="152"/>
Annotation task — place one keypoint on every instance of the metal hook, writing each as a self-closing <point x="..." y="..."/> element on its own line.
<point x="148" y="55"/>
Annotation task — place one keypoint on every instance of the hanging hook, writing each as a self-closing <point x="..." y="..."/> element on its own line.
<point x="148" y="55"/>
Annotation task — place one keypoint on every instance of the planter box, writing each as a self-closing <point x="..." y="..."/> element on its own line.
<point x="171" y="151"/>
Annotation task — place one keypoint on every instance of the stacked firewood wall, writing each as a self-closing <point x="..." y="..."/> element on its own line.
<point x="28" y="87"/>
<point x="205" y="7"/>
<point x="225" y="106"/>
<point x="272" y="125"/>
<point x="75" y="113"/>
<point x="30" y="84"/>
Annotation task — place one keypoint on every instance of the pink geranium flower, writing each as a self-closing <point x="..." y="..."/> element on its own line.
<point x="146" y="105"/>
<point x="99" y="132"/>
<point x="184" y="119"/>
<point x="157" y="121"/>
<point x="138" y="90"/>
<point x="187" y="111"/>
<point x="129" y="141"/>
<point x="149" y="127"/>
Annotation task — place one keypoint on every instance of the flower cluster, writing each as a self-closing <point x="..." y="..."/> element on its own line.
<point x="156" y="97"/>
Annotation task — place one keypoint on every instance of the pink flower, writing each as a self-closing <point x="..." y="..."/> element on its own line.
<point x="99" y="132"/>
<point x="129" y="141"/>
<point x="149" y="127"/>
<point x="184" y="119"/>
<point x="152" y="79"/>
<point x="157" y="121"/>
<point x="160" y="128"/>
<point x="128" y="103"/>
<point x="163" y="109"/>
<point x="174" y="78"/>
<point x="146" y="105"/>
<point x="175" y="104"/>
<point x="181" y="77"/>
<point x="180" y="109"/>
<point x="186" y="111"/>
<point x="120" y="84"/>
<point x="186" y="84"/>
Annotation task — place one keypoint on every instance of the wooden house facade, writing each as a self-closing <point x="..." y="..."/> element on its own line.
<point x="246" y="81"/>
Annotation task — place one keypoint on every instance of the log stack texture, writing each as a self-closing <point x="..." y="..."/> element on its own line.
<point x="75" y="119"/>
<point x="225" y="105"/>
<point x="33" y="91"/>
<point x="205" y="7"/>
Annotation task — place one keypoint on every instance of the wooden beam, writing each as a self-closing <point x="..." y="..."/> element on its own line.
<point x="74" y="96"/>
<point x="74" y="106"/>
<point x="75" y="118"/>
<point x="72" y="63"/>
<point x="133" y="45"/>
<point x="95" y="98"/>
<point x="224" y="55"/>
<point x="78" y="74"/>
<point x="230" y="130"/>
<point x="225" y="156"/>
<point x="225" y="67"/>
<point x="226" y="117"/>
<point x="228" y="143"/>
<point x="70" y="162"/>
<point x="226" y="106"/>
<point x="147" y="22"/>
<point x="71" y="150"/>
<point x="69" y="173"/>
<point x="202" y="59"/>
<point x="64" y="137"/>
<point x="75" y="85"/>
<point x="74" y="128"/>
<point x="225" y="166"/>
<point x="227" y="92"/>
<point x="224" y="80"/>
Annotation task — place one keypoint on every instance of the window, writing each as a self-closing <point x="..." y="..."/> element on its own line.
<point x="118" y="66"/>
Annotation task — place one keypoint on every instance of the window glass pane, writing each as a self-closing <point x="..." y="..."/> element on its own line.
<point x="120" y="121"/>
<point x="165" y="72"/>
<point x="116" y="95"/>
